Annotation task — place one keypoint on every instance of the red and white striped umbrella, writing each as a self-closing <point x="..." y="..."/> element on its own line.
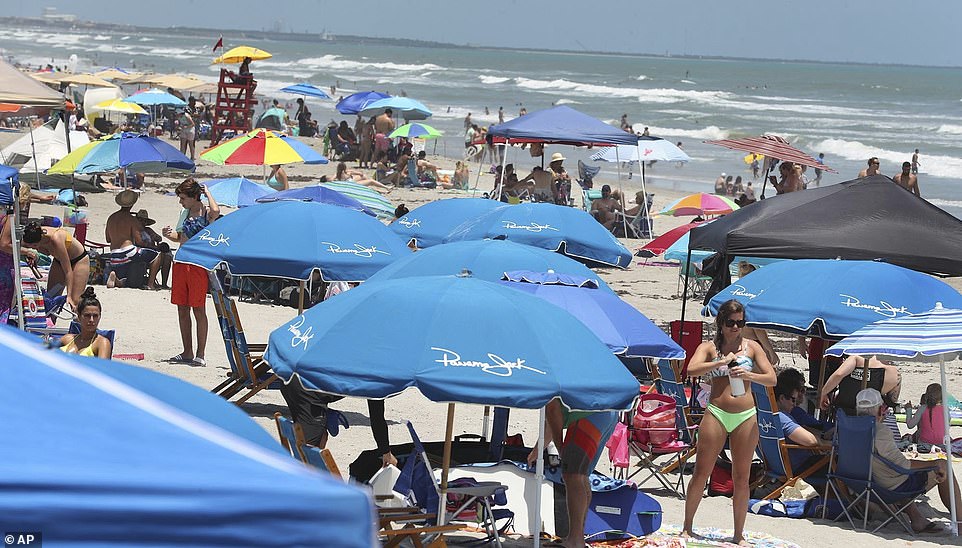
<point x="772" y="146"/>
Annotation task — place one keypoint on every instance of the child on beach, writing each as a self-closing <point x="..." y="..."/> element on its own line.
<point x="929" y="418"/>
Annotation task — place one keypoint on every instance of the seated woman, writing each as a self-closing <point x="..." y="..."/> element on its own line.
<point x="70" y="268"/>
<point x="345" y="174"/>
<point x="848" y="379"/>
<point x="460" y="179"/>
<point x="278" y="178"/>
<point x="88" y="342"/>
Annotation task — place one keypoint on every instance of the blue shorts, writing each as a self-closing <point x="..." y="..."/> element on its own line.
<point x="119" y="260"/>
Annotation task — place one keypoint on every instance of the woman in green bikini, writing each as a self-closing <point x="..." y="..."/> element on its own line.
<point x="728" y="359"/>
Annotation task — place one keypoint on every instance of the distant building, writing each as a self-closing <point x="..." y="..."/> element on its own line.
<point x="50" y="14"/>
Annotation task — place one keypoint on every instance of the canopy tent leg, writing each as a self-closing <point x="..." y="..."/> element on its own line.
<point x="484" y="423"/>
<point x="501" y="181"/>
<point x="300" y="297"/>
<point x="15" y="241"/>
<point x="947" y="440"/>
<point x="644" y="201"/>
<point x="621" y="188"/>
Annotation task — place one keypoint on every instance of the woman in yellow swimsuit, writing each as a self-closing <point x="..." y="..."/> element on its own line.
<point x="88" y="342"/>
<point x="729" y="357"/>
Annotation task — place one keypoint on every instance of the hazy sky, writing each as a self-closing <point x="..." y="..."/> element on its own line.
<point x="923" y="32"/>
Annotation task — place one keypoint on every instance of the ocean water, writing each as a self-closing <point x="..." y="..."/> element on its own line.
<point x="848" y="112"/>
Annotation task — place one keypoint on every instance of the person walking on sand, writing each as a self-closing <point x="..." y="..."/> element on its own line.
<point x="189" y="284"/>
<point x="818" y="170"/>
<point x="731" y="362"/>
<point x="915" y="162"/>
<point x="872" y="169"/>
<point x="908" y="180"/>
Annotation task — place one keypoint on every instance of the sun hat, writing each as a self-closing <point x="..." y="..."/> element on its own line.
<point x="126" y="198"/>
<point x="557" y="157"/>
<point x="143" y="216"/>
<point x="869" y="398"/>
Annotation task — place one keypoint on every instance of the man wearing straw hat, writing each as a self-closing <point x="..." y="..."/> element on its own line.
<point x="128" y="250"/>
<point x="561" y="180"/>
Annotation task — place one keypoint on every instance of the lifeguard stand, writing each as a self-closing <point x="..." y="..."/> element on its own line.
<point x="234" y="109"/>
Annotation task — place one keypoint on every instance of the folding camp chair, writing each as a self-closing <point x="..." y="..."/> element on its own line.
<point x="773" y="448"/>
<point x="292" y="438"/>
<point x="670" y="381"/>
<point x="654" y="436"/>
<point x="586" y="175"/>
<point x="587" y="196"/>
<point x="698" y="283"/>
<point x="249" y="371"/>
<point x="853" y="458"/>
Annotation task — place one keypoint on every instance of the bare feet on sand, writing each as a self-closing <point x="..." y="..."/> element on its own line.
<point x="112" y="280"/>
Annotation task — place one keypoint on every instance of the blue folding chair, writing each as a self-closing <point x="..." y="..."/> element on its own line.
<point x="853" y="452"/>
<point x="109" y="334"/>
<point x="292" y="438"/>
<point x="773" y="447"/>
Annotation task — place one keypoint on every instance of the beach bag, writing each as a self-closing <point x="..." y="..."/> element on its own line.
<point x="34" y="313"/>
<point x="720" y="482"/>
<point x="655" y="411"/>
<point x="618" y="447"/>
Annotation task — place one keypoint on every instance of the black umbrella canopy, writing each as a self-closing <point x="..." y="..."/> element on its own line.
<point x="871" y="218"/>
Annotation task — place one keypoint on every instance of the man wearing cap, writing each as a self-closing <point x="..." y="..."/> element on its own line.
<point x="868" y="402"/>
<point x="127" y="245"/>
<point x="561" y="181"/>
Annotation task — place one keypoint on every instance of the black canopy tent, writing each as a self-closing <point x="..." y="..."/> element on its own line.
<point x="871" y="218"/>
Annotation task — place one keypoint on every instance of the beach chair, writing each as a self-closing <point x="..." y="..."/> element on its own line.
<point x="853" y="457"/>
<point x="291" y="436"/>
<point x="698" y="283"/>
<point x="669" y="380"/>
<point x="249" y="372"/>
<point x="110" y="334"/>
<point x="654" y="438"/>
<point x="586" y="175"/>
<point x="589" y="195"/>
<point x="773" y="448"/>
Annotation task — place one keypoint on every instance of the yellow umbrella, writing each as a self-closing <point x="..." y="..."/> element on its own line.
<point x="238" y="54"/>
<point x="119" y="105"/>
<point x="752" y="157"/>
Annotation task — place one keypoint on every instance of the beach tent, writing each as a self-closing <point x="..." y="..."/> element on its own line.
<point x="102" y="453"/>
<point x="868" y="219"/>
<point x="16" y="87"/>
<point x="46" y="146"/>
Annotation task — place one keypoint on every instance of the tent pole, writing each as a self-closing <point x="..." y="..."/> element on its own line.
<point x="684" y="295"/>
<point x="33" y="150"/>
<point x="15" y="241"/>
<point x="445" y="465"/>
<point x="501" y="182"/>
<point x="644" y="191"/>
<point x="538" y="479"/>
<point x="621" y="188"/>
<point x="73" y="182"/>
<point x="947" y="440"/>
<point x="484" y="422"/>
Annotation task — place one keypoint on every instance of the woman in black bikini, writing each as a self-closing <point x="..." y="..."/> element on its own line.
<point x="70" y="267"/>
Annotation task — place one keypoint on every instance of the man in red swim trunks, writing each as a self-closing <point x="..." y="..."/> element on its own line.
<point x="586" y="435"/>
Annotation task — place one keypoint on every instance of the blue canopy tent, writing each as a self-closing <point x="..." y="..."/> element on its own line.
<point x="100" y="453"/>
<point x="561" y="125"/>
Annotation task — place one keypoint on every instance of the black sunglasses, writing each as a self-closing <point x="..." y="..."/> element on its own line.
<point x="733" y="323"/>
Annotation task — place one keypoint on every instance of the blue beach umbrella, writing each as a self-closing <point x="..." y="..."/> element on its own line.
<point x="353" y="103"/>
<point x="237" y="191"/>
<point x="409" y="108"/>
<point x="307" y="90"/>
<point x="292" y="239"/>
<point x="832" y="299"/>
<point x="430" y="223"/>
<point x="570" y="231"/>
<point x="486" y="260"/>
<point x="625" y="330"/>
<point x="320" y="194"/>
<point x="540" y="354"/>
<point x="154" y="97"/>
<point x="128" y="456"/>
<point x="927" y="336"/>
<point x="136" y="152"/>
<point x="368" y="197"/>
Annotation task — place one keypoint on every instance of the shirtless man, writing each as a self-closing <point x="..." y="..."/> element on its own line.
<point x="127" y="245"/>
<point x="908" y="180"/>
<point x="424" y="165"/>
<point x="603" y="209"/>
<point x="915" y="162"/>
<point x="872" y="168"/>
<point x="541" y="179"/>
<point x="384" y="123"/>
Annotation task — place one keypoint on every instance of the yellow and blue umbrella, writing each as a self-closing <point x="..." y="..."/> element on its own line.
<point x="119" y="105"/>
<point x="415" y="130"/>
<point x="132" y="151"/>
<point x="155" y="96"/>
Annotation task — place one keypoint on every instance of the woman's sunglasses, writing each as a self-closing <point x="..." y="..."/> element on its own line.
<point x="733" y="323"/>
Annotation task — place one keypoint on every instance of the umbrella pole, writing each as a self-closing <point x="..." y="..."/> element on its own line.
<point x="644" y="191"/>
<point x="684" y="293"/>
<point x="947" y="440"/>
<point x="624" y="220"/>
<point x="300" y="297"/>
<point x="484" y="422"/>
<point x="15" y="241"/>
<point x="33" y="150"/>
<point x="538" y="479"/>
<point x="445" y="464"/>
<point x="73" y="182"/>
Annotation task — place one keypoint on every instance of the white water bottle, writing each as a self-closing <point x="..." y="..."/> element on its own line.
<point x="737" y="384"/>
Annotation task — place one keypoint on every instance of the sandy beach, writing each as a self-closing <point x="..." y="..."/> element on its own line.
<point x="146" y="323"/>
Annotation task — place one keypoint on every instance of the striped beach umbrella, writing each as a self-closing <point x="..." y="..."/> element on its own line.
<point x="367" y="196"/>
<point x="138" y="153"/>
<point x="262" y="147"/>
<point x="415" y="130"/>
<point x="927" y="336"/>
<point x="700" y="204"/>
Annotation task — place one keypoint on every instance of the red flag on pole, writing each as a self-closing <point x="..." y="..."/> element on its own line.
<point x="219" y="44"/>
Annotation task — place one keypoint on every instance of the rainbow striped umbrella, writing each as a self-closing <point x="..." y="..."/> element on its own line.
<point x="415" y="130"/>
<point x="262" y="147"/>
<point x="700" y="204"/>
